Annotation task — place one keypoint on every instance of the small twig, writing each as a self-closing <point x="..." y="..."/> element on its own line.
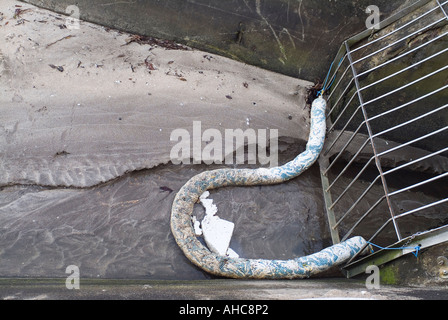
<point x="67" y="37"/>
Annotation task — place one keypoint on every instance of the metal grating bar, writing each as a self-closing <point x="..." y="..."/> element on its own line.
<point x="407" y="85"/>
<point x="387" y="118"/>
<point x="405" y="69"/>
<point x="335" y="225"/>
<point x="399" y="28"/>
<point x="379" y="81"/>
<point x="391" y="170"/>
<point x="441" y="8"/>
<point x="337" y="85"/>
<point x="404" y="54"/>
<point x="372" y="142"/>
<point x="398" y="41"/>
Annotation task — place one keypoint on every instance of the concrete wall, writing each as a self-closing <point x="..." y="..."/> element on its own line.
<point x="298" y="38"/>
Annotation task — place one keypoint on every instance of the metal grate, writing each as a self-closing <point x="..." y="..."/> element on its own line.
<point x="385" y="162"/>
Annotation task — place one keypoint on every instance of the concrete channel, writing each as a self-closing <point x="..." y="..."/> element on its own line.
<point x="86" y="177"/>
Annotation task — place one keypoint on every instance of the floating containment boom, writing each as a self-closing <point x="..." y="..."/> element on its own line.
<point x="302" y="267"/>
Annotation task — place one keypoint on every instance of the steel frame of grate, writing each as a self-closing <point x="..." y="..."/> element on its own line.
<point x="438" y="14"/>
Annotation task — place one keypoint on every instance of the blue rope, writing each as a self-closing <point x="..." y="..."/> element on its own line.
<point x="326" y="79"/>
<point x="324" y="87"/>
<point x="416" y="248"/>
<point x="319" y="93"/>
<point x="334" y="78"/>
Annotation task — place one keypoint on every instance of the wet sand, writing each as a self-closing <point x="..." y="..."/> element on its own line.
<point x="82" y="107"/>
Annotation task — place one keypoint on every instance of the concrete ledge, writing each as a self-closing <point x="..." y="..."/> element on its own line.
<point x="296" y="38"/>
<point x="328" y="289"/>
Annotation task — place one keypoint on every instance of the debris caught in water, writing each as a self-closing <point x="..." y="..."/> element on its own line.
<point x="166" y="189"/>
<point x="217" y="232"/>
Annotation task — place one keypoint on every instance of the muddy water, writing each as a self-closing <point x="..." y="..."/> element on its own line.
<point x="121" y="229"/>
